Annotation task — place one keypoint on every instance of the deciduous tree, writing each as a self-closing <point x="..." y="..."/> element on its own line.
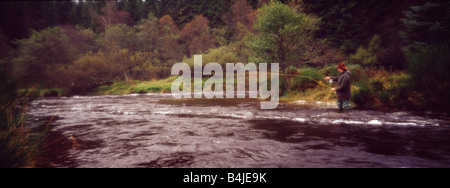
<point x="110" y="15"/>
<point x="197" y="35"/>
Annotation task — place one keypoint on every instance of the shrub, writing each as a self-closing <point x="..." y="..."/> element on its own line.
<point x="429" y="66"/>
<point x="197" y="35"/>
<point x="367" y="56"/>
<point x="308" y="79"/>
<point x="38" y="54"/>
<point x="363" y="97"/>
<point x="92" y="70"/>
<point x="231" y="53"/>
<point x="357" y="73"/>
<point x="391" y="93"/>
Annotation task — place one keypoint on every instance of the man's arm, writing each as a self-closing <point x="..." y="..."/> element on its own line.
<point x="335" y="79"/>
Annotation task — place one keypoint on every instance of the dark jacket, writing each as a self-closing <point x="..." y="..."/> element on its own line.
<point x="343" y="90"/>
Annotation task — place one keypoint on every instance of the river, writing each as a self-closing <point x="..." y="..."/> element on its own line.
<point x="154" y="131"/>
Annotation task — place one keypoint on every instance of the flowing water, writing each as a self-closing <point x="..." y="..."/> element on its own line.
<point x="154" y="130"/>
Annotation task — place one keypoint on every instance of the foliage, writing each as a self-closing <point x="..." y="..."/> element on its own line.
<point x="231" y="53"/>
<point x="428" y="23"/>
<point x="169" y="46"/>
<point x="349" y="24"/>
<point x="241" y="19"/>
<point x="18" y="148"/>
<point x="91" y="70"/>
<point x="44" y="49"/>
<point x="367" y="56"/>
<point x="119" y="37"/>
<point x="158" y="41"/>
<point x="427" y="33"/>
<point x="83" y="40"/>
<point x="429" y="68"/>
<point x="110" y="15"/>
<point x="282" y="34"/>
<point x="197" y="35"/>
<point x="390" y="93"/>
<point x="308" y="79"/>
<point x="103" y="42"/>
<point x="118" y="88"/>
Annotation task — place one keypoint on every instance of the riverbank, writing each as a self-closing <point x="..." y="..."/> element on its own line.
<point x="374" y="89"/>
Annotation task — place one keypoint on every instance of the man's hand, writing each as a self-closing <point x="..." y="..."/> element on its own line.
<point x="333" y="89"/>
<point x="327" y="78"/>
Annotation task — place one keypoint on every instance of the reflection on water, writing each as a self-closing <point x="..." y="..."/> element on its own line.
<point x="154" y="130"/>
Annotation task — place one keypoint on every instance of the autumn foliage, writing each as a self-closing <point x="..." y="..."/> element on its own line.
<point x="197" y="35"/>
<point x="110" y="15"/>
<point x="241" y="19"/>
<point x="170" y="35"/>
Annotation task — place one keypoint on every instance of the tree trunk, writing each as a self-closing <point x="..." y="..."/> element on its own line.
<point x="125" y="76"/>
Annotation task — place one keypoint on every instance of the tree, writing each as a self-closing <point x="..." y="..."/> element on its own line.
<point x="213" y="10"/>
<point x="122" y="61"/>
<point x="149" y="38"/>
<point x="170" y="34"/>
<point x="197" y="35"/>
<point x="181" y="10"/>
<point x="428" y="23"/>
<point x="120" y="37"/>
<point x="350" y="24"/>
<point x="282" y="34"/>
<point x="91" y="70"/>
<point x="158" y="41"/>
<point x="110" y="15"/>
<point x="367" y="56"/>
<point x="428" y="36"/>
<point x="82" y="39"/>
<point x="134" y="7"/>
<point x="38" y="54"/>
<point x="241" y="18"/>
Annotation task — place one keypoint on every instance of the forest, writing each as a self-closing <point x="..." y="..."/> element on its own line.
<point x="397" y="50"/>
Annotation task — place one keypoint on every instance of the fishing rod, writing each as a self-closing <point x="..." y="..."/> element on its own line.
<point x="311" y="78"/>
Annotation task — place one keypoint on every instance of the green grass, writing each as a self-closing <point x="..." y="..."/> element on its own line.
<point x="316" y="94"/>
<point x="120" y="88"/>
<point x="154" y="86"/>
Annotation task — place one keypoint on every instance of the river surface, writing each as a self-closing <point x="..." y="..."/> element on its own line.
<point x="155" y="130"/>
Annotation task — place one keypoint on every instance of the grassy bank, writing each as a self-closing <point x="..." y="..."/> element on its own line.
<point x="372" y="88"/>
<point x="119" y="88"/>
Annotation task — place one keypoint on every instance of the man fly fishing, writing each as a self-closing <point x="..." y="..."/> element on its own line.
<point x="343" y="89"/>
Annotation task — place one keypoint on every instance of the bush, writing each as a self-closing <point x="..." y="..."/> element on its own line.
<point x="308" y="79"/>
<point x="357" y="73"/>
<point x="363" y="98"/>
<point x="428" y="67"/>
<point x="231" y="53"/>
<point x="367" y="56"/>
<point x="91" y="70"/>
<point x="390" y="93"/>
<point x="39" y="54"/>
